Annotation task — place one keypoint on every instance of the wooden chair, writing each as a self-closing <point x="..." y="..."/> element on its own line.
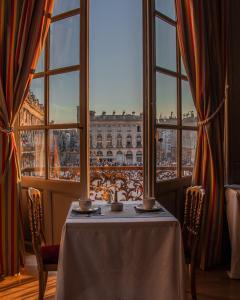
<point x="195" y="197"/>
<point x="47" y="256"/>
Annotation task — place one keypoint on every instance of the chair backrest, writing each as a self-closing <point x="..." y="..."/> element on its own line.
<point x="36" y="219"/>
<point x="195" y="197"/>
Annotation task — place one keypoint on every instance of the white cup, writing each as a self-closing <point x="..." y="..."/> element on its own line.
<point x="148" y="203"/>
<point x="85" y="204"/>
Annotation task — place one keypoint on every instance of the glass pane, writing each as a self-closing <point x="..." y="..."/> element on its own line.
<point x="32" y="153"/>
<point x="61" y="6"/>
<point x="116" y="100"/>
<point x="64" y="98"/>
<point x="64" y="154"/>
<point x="189" y="141"/>
<point x="165" y="45"/>
<point x="166" y="7"/>
<point x="183" y="70"/>
<point x="40" y="64"/>
<point x="166" y="102"/>
<point x="64" y="42"/>
<point x="189" y="114"/>
<point x="166" y="154"/>
<point x="32" y="111"/>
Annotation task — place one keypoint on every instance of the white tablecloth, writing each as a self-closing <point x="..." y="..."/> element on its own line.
<point x="233" y="216"/>
<point x="121" y="259"/>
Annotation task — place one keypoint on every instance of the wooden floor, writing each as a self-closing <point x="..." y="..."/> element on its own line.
<point x="212" y="285"/>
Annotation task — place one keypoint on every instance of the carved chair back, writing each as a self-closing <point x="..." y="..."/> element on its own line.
<point x="195" y="197"/>
<point x="36" y="220"/>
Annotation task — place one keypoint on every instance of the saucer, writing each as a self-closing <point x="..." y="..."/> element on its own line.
<point x="140" y="208"/>
<point x="87" y="211"/>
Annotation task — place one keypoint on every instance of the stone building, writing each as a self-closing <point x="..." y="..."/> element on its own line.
<point x="116" y="139"/>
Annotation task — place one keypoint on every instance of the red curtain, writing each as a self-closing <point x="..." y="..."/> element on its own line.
<point x="23" y="27"/>
<point x="202" y="33"/>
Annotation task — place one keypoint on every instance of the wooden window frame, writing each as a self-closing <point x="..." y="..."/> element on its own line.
<point x="180" y="77"/>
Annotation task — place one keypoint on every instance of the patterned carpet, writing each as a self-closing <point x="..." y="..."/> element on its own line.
<point x="25" y="287"/>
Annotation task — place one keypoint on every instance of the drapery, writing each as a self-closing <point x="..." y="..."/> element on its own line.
<point x="23" y="28"/>
<point x="202" y="33"/>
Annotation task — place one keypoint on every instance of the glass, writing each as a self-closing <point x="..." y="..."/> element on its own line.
<point x="189" y="114"/>
<point x="64" y="98"/>
<point x="165" y="45"/>
<point x="166" y="154"/>
<point x="166" y="7"/>
<point x="40" y="64"/>
<point x="189" y="142"/>
<point x="64" y="154"/>
<point x="61" y="6"/>
<point x="183" y="70"/>
<point x="116" y="100"/>
<point x="64" y="42"/>
<point x="166" y="99"/>
<point x="32" y="150"/>
<point x="32" y="111"/>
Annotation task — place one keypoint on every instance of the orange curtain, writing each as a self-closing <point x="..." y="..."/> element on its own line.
<point x="202" y="33"/>
<point x="23" y="27"/>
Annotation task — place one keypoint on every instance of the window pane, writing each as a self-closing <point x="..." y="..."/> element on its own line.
<point x="189" y="141"/>
<point x="61" y="6"/>
<point x="166" y="102"/>
<point x="32" y="153"/>
<point x="165" y="45"/>
<point x="64" y="154"/>
<point x="64" y="98"/>
<point x="189" y="115"/>
<point x="183" y="70"/>
<point x="32" y="111"/>
<point x="166" y="154"/>
<point x="64" y="42"/>
<point x="116" y="119"/>
<point x="40" y="64"/>
<point x="166" y="7"/>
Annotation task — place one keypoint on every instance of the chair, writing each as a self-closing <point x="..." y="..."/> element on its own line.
<point x="195" y="197"/>
<point x="47" y="256"/>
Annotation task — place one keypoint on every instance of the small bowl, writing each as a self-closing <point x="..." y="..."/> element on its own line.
<point x="149" y="202"/>
<point x="116" y="206"/>
<point x="85" y="204"/>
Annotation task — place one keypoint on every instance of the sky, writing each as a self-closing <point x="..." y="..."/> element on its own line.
<point x="116" y="56"/>
<point x="116" y="60"/>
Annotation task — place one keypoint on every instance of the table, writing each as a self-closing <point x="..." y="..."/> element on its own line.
<point x="233" y="215"/>
<point x="121" y="258"/>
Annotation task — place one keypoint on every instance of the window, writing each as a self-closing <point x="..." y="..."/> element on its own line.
<point x="50" y="121"/>
<point x="116" y="100"/>
<point x="176" y="117"/>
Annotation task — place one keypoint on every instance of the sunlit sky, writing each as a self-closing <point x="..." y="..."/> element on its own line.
<point x="116" y="60"/>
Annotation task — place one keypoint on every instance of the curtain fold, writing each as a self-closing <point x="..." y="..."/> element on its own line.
<point x="23" y="28"/>
<point x="202" y="33"/>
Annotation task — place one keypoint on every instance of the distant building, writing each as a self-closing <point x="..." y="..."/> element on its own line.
<point x="116" y="139"/>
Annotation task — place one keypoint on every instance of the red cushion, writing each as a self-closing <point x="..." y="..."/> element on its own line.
<point x="50" y="254"/>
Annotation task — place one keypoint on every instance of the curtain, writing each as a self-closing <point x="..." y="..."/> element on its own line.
<point x="23" y="28"/>
<point x="202" y="33"/>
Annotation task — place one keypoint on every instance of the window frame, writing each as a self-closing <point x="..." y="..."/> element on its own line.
<point x="179" y="77"/>
<point x="82" y="124"/>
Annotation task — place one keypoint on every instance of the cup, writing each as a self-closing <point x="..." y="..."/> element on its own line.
<point x="148" y="203"/>
<point x="85" y="204"/>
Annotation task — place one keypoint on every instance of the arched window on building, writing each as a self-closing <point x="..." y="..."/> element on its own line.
<point x="109" y="153"/>
<point x="99" y="153"/>
<point x="119" y="141"/>
<point x="139" y="141"/>
<point x="139" y="156"/>
<point x="129" y="141"/>
<point x="109" y="141"/>
<point x="99" y="141"/>
<point x="120" y="157"/>
<point x="129" y="157"/>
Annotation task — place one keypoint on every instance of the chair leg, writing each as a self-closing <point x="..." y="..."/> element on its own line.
<point x="192" y="273"/>
<point x="43" y="276"/>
